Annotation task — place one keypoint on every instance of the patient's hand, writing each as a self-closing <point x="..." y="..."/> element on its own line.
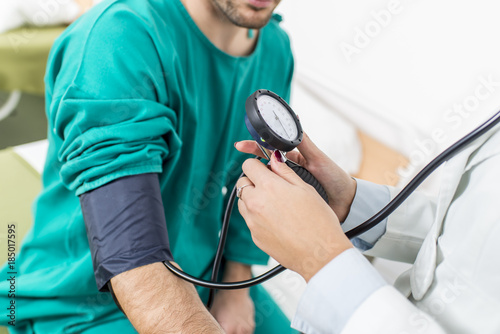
<point x="235" y="312"/>
<point x="234" y="309"/>
<point x="339" y="186"/>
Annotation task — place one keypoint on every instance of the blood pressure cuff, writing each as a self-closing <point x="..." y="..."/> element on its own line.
<point x="126" y="226"/>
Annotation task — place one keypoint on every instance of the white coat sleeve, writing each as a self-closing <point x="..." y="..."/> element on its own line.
<point x="406" y="228"/>
<point x="349" y="296"/>
<point x="400" y="236"/>
<point x="387" y="311"/>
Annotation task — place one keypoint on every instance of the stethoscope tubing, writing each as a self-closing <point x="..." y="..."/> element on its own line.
<point x="446" y="155"/>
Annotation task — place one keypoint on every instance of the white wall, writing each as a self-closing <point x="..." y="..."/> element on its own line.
<point x="397" y="68"/>
<point x="400" y="85"/>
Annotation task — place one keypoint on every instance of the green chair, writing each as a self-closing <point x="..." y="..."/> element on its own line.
<point x="23" y="58"/>
<point x="19" y="185"/>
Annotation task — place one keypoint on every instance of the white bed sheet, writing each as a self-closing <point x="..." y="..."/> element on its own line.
<point x="34" y="153"/>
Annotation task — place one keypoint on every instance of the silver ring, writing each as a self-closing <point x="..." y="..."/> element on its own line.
<point x="239" y="189"/>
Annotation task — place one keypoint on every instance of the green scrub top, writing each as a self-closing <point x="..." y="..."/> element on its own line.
<point x="135" y="87"/>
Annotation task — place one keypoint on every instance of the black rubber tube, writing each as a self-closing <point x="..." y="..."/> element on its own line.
<point x="369" y="223"/>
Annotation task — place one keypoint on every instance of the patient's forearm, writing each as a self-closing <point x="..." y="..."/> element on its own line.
<point x="156" y="301"/>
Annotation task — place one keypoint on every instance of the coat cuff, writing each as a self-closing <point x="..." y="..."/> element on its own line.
<point x="369" y="199"/>
<point x="335" y="292"/>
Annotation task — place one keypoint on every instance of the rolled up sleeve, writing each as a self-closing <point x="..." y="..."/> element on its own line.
<point x="101" y="145"/>
<point x="109" y="103"/>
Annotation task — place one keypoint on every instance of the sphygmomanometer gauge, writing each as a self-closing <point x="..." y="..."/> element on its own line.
<point x="271" y="121"/>
<point x="275" y="126"/>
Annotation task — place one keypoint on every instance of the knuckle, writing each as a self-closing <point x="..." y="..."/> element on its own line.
<point x="253" y="203"/>
<point x="270" y="186"/>
<point x="242" y="181"/>
<point x="248" y="163"/>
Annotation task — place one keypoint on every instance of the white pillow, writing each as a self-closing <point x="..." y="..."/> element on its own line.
<point x="49" y="12"/>
<point x="10" y="17"/>
<point x="40" y="13"/>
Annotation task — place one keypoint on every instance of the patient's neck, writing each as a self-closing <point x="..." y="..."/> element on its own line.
<point x="218" y="29"/>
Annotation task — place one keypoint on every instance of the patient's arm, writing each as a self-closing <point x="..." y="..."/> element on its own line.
<point x="128" y="240"/>
<point x="156" y="301"/>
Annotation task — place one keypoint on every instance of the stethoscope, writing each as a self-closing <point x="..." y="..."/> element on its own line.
<point x="275" y="126"/>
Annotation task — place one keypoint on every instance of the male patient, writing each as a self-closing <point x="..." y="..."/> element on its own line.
<point x="145" y="99"/>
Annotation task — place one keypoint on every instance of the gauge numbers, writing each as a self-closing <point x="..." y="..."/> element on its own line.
<point x="277" y="117"/>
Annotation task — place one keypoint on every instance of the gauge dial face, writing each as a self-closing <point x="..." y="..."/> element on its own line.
<point x="277" y="117"/>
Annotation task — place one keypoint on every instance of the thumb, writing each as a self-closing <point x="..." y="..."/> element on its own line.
<point x="282" y="170"/>
<point x="308" y="149"/>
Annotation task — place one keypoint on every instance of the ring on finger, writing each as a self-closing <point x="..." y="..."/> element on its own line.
<point x="239" y="189"/>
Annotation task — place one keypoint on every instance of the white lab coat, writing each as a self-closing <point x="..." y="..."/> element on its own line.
<point x="454" y="242"/>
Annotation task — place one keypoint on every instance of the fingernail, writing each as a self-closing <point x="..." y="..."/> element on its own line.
<point x="277" y="155"/>
<point x="235" y="143"/>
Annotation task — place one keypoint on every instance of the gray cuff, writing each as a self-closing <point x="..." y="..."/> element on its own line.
<point x="126" y="228"/>
<point x="369" y="199"/>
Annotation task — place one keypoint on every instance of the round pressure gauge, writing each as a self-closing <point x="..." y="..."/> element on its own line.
<point x="271" y="121"/>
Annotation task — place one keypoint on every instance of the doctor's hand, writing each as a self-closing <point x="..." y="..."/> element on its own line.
<point x="288" y="219"/>
<point x="339" y="186"/>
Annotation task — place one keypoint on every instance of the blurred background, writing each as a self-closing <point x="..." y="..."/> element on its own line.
<point x="382" y="86"/>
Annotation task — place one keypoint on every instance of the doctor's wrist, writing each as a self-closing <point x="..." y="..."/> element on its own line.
<point x="313" y="262"/>
<point x="341" y="205"/>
